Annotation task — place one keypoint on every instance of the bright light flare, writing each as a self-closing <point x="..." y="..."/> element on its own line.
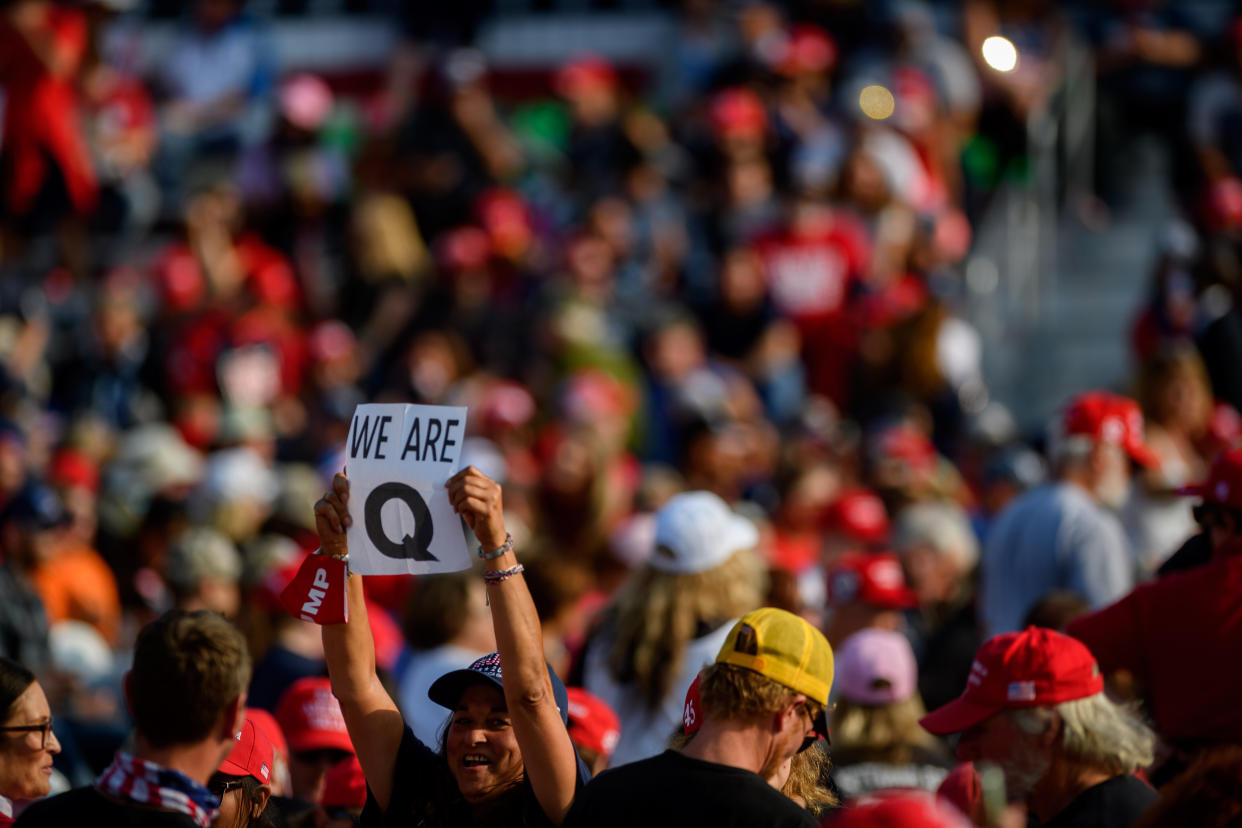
<point x="876" y="102"/>
<point x="1000" y="53"/>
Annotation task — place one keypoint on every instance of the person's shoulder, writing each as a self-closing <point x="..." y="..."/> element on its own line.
<point x="87" y="806"/>
<point x="54" y="809"/>
<point x="658" y="764"/>
<point x="1119" y="801"/>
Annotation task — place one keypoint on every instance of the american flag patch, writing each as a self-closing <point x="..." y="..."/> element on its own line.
<point x="1021" y="691"/>
<point x="488" y="665"/>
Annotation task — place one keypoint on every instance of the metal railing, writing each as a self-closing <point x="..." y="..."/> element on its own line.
<point x="1011" y="275"/>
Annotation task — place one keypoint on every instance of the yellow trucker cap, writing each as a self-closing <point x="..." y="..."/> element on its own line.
<point x="783" y="647"/>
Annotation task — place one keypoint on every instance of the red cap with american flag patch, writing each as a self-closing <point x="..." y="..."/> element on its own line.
<point x="1033" y="668"/>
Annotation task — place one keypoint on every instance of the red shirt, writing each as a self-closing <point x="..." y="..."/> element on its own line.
<point x="811" y="270"/>
<point x="1181" y="637"/>
<point x="41" y="110"/>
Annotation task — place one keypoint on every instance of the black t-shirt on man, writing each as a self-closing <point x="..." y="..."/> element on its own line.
<point x="88" y="806"/>
<point x="675" y="790"/>
<point x="1114" y="803"/>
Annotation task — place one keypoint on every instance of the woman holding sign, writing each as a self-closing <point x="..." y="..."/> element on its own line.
<point x="505" y="758"/>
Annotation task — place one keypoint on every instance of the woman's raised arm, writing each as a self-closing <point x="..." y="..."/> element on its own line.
<point x="551" y="765"/>
<point x="374" y="722"/>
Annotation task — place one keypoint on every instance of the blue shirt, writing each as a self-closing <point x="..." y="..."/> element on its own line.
<point x="1054" y="537"/>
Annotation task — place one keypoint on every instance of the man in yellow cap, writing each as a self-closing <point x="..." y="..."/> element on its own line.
<point x="763" y="701"/>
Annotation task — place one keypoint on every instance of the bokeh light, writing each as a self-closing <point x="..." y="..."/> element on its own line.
<point x="1000" y="53"/>
<point x="876" y="102"/>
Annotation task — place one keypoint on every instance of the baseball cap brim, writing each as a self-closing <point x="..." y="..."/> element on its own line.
<point x="956" y="716"/>
<point x="1142" y="455"/>
<point x="447" y="689"/>
<point x="1194" y="490"/>
<point x="320" y="740"/>
<point x="904" y="598"/>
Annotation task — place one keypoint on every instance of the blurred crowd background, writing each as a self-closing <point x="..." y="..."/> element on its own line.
<point x="796" y="254"/>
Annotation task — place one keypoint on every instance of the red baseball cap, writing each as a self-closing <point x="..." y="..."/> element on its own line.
<point x="806" y="49"/>
<point x="1032" y="668"/>
<point x="1110" y="418"/>
<point x="1224" y="481"/>
<point x="252" y="755"/>
<point x="859" y="514"/>
<point x="344" y="786"/>
<point x="592" y="723"/>
<point x="268" y="726"/>
<point x="71" y="468"/>
<point x="898" y="808"/>
<point x="585" y="73"/>
<point x="311" y="717"/>
<point x="738" y="111"/>
<point x="692" y="713"/>
<point x="875" y="579"/>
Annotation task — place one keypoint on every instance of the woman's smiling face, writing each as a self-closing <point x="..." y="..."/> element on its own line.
<point x="481" y="748"/>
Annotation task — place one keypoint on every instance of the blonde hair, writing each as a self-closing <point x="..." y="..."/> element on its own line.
<point x="888" y="733"/>
<point x="731" y="692"/>
<point x="656" y="614"/>
<point x="1096" y="732"/>
<point x="805" y="783"/>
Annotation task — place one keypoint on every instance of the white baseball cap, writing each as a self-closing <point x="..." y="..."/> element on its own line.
<point x="701" y="532"/>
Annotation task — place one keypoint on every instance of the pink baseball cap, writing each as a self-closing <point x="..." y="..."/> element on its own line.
<point x="876" y="667"/>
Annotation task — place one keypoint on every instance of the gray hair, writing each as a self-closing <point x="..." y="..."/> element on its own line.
<point x="942" y="526"/>
<point x="1096" y="732"/>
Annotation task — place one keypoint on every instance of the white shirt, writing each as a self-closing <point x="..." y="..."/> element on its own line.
<point x="645" y="732"/>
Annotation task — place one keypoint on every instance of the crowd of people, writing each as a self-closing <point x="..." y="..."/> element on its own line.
<point x="745" y="508"/>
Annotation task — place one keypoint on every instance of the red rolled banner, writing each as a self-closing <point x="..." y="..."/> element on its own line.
<point x="317" y="592"/>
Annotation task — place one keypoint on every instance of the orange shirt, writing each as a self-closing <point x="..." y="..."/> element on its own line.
<point x="78" y="585"/>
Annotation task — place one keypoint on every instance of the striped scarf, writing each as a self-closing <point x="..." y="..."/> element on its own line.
<point x="146" y="783"/>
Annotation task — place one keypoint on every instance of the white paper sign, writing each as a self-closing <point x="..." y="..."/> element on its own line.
<point x="398" y="458"/>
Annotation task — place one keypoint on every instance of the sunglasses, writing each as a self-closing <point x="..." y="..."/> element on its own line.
<point x="219" y="787"/>
<point x="45" y="728"/>
<point x="819" y="723"/>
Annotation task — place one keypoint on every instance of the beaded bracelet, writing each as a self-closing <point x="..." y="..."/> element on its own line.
<point x="492" y="577"/>
<point x="507" y="546"/>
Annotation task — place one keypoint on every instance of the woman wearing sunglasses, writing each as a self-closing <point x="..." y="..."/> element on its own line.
<point x="243" y="781"/>
<point x="27" y="743"/>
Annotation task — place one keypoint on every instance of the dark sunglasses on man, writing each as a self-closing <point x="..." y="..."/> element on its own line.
<point x="819" y="724"/>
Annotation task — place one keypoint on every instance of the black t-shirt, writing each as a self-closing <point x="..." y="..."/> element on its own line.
<point x="1114" y="803"/>
<point x="677" y="791"/>
<point x="425" y="795"/>
<point x="87" y="806"/>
